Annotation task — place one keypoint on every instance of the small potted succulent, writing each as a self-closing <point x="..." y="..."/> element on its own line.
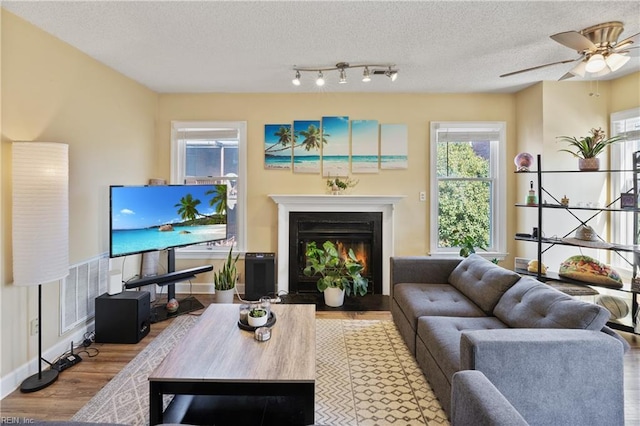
<point x="587" y="148"/>
<point x="257" y="317"/>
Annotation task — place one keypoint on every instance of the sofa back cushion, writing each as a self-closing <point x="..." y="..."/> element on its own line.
<point x="482" y="281"/>
<point x="532" y="304"/>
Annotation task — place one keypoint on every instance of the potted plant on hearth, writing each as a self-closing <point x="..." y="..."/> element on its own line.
<point x="339" y="273"/>
<point x="224" y="280"/>
<point x="588" y="148"/>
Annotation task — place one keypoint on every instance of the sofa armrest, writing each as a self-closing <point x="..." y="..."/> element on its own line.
<point x="476" y="401"/>
<point x="551" y="376"/>
<point x="422" y="269"/>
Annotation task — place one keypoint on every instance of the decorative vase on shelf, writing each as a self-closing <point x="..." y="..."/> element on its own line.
<point x="589" y="164"/>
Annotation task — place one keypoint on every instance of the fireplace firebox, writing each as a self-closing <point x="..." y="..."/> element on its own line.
<point x="360" y="231"/>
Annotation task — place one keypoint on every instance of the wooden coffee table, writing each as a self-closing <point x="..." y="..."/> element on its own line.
<point x="218" y="358"/>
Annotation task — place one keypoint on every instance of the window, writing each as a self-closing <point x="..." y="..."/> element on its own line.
<point x="626" y="123"/>
<point x="213" y="152"/>
<point x="468" y="187"/>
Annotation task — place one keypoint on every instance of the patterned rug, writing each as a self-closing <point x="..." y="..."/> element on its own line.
<point x="365" y="375"/>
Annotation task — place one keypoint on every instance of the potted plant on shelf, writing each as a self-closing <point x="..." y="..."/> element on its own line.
<point x="224" y="280"/>
<point x="588" y="148"/>
<point x="339" y="274"/>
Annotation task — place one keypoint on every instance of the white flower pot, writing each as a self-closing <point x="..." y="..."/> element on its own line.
<point x="334" y="297"/>
<point x="258" y="321"/>
<point x="225" y="296"/>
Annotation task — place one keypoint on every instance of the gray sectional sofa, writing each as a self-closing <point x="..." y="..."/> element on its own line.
<point x="550" y="356"/>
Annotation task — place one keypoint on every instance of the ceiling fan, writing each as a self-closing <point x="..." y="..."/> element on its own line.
<point x="598" y="47"/>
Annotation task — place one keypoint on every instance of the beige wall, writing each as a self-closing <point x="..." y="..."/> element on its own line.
<point x="415" y="110"/>
<point x="52" y="92"/>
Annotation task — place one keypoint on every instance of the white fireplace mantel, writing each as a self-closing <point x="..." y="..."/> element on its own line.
<point x="334" y="203"/>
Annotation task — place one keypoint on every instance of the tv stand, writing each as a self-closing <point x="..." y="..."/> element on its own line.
<point x="160" y="313"/>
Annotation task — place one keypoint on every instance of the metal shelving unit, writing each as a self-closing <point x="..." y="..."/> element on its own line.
<point x="545" y="244"/>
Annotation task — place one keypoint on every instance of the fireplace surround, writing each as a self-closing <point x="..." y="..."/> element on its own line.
<point x="334" y="203"/>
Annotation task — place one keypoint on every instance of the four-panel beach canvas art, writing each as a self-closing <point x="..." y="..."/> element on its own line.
<point x="335" y="146"/>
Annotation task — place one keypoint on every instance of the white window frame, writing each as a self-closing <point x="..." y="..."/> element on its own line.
<point x="620" y="155"/>
<point x="178" y="168"/>
<point x="499" y="188"/>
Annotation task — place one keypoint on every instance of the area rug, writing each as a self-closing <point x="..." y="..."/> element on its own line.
<point x="365" y="375"/>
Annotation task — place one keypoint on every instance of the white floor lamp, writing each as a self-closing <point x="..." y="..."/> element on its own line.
<point x="40" y="222"/>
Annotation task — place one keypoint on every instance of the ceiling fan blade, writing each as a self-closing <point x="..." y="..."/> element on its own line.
<point x="574" y="40"/>
<point x="627" y="42"/>
<point x="567" y="76"/>
<point x="538" y="67"/>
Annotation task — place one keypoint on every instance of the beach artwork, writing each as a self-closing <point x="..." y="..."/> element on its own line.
<point x="393" y="146"/>
<point x="308" y="141"/>
<point x="335" y="153"/>
<point x="364" y="146"/>
<point x="278" y="140"/>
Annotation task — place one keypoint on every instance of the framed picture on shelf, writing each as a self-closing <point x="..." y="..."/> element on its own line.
<point x="627" y="201"/>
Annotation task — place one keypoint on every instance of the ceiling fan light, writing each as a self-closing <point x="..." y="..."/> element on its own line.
<point x="320" y="79"/>
<point x="615" y="61"/>
<point x="595" y="63"/>
<point x="579" y="69"/>
<point x="296" y="79"/>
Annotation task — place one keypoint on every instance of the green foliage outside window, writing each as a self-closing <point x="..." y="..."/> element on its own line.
<point x="464" y="193"/>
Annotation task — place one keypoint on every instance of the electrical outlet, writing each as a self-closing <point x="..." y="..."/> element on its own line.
<point x="34" y="326"/>
<point x="423" y="196"/>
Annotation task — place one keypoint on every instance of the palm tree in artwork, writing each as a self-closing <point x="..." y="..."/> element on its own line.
<point x="313" y="138"/>
<point x="219" y="199"/>
<point x="285" y="138"/>
<point x="187" y="207"/>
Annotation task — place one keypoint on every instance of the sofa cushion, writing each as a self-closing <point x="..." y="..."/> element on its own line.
<point x="482" y="281"/>
<point x="532" y="304"/>
<point x="417" y="300"/>
<point x="441" y="337"/>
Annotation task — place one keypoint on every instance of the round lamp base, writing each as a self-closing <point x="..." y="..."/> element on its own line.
<point x="35" y="383"/>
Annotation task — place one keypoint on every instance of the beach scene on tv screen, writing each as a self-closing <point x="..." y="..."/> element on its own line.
<point x="145" y="218"/>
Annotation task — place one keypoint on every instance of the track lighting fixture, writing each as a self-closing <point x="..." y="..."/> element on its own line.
<point x="388" y="70"/>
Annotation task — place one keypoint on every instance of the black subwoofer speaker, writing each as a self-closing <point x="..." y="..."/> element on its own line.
<point x="259" y="275"/>
<point x="123" y="317"/>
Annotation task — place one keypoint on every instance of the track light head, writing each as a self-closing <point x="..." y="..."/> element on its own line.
<point x="392" y="74"/>
<point x="366" y="76"/>
<point x="296" y="79"/>
<point x="320" y="79"/>
<point x="343" y="76"/>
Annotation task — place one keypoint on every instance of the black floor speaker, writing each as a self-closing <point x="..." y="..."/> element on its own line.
<point x="259" y="275"/>
<point x="123" y="317"/>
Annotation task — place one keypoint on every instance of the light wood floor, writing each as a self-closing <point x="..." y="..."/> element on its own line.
<point x="76" y="386"/>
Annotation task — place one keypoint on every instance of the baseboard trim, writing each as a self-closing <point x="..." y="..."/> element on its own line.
<point x="11" y="381"/>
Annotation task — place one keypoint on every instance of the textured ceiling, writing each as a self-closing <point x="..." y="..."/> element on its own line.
<point x="238" y="46"/>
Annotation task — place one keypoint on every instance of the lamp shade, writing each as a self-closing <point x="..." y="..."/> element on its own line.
<point x="40" y="214"/>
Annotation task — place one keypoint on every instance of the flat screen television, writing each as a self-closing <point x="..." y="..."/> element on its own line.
<point x="160" y="217"/>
